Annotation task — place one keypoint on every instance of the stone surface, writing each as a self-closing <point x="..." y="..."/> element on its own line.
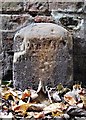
<point x="12" y="23"/>
<point x="47" y="19"/>
<point x="9" y="25"/>
<point x="79" y="55"/>
<point x="1" y="69"/>
<point x="65" y="6"/>
<point x="43" y="51"/>
<point x="43" y="6"/>
<point x="7" y="66"/>
<point x="75" y="23"/>
<point x="12" y="6"/>
<point x="1" y="54"/>
<point x="37" y="5"/>
<point x="7" y="41"/>
<point x="80" y="68"/>
<point x="15" y="15"/>
<point x="7" y="48"/>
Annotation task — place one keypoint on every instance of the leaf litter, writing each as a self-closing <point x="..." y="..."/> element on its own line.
<point x="45" y="103"/>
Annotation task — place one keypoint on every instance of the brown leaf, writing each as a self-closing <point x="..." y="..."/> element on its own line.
<point x="34" y="94"/>
<point x="54" y="107"/>
<point x="36" y="107"/>
<point x="7" y="95"/>
<point x="80" y="105"/>
<point x="21" y="108"/>
<point x="39" y="115"/>
<point x="57" y="113"/>
<point x="25" y="94"/>
<point x="83" y="98"/>
<point x="69" y="99"/>
<point x="5" y="107"/>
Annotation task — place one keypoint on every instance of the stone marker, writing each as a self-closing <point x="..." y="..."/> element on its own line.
<point x="42" y="51"/>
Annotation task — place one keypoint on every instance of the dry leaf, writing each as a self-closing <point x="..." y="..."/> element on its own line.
<point x="39" y="115"/>
<point x="83" y="98"/>
<point x="56" y="97"/>
<point x="54" y="107"/>
<point x="5" y="107"/>
<point x="82" y="95"/>
<point x="7" y="95"/>
<point x="80" y="105"/>
<point x="34" y="94"/>
<point x="5" y="116"/>
<point x="69" y="99"/>
<point x="60" y="87"/>
<point x="30" y="114"/>
<point x="57" y="113"/>
<point x="21" y="108"/>
<point x="25" y="94"/>
<point x="36" y="107"/>
<point x="39" y="105"/>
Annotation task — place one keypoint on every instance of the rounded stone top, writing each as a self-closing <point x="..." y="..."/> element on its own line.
<point x="42" y="30"/>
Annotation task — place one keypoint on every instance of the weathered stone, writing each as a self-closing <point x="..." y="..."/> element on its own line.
<point x="9" y="25"/>
<point x="43" y="51"/>
<point x="1" y="56"/>
<point x="0" y="33"/>
<point x="1" y="70"/>
<point x="46" y="19"/>
<point x="0" y="6"/>
<point x="66" y="6"/>
<point x="7" y="66"/>
<point x="25" y="6"/>
<point x="75" y="23"/>
<point x="14" y="22"/>
<point x="12" y="6"/>
<point x="38" y="6"/>
<point x="80" y="68"/>
<point x="7" y="41"/>
<point x="79" y="46"/>
<point x="1" y="53"/>
<point x="7" y="61"/>
<point x="79" y="54"/>
<point x="42" y="6"/>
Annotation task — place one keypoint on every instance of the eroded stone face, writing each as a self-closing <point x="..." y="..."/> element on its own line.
<point x="43" y="51"/>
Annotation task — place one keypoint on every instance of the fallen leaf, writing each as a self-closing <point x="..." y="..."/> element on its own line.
<point x="39" y="115"/>
<point x="54" y="107"/>
<point x="34" y="94"/>
<point x="25" y="94"/>
<point x="30" y="114"/>
<point x="36" y="107"/>
<point x="80" y="105"/>
<point x="69" y="99"/>
<point x="60" y="87"/>
<point x="83" y="98"/>
<point x="21" y="108"/>
<point x="7" y="95"/>
<point x="56" y="97"/>
<point x="76" y="111"/>
<point x="57" y="113"/>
